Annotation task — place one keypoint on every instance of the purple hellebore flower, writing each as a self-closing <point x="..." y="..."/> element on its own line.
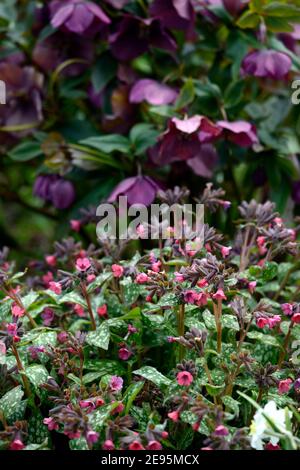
<point x="54" y="189"/>
<point x="174" y="14"/>
<point x="135" y="35"/>
<point x="116" y="383"/>
<point x="138" y="189"/>
<point x="267" y="63"/>
<point x="241" y="133"/>
<point x="204" y="163"/>
<point x="296" y="192"/>
<point x="234" y="7"/>
<point x="182" y="141"/>
<point x="78" y="16"/>
<point x="49" y="53"/>
<point x="153" y="92"/>
<point x="24" y="97"/>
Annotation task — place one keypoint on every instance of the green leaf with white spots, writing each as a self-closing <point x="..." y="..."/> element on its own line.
<point x="10" y="402"/>
<point x="230" y="321"/>
<point x="73" y="298"/>
<point x="5" y="310"/>
<point x="78" y="444"/>
<point x="29" y="299"/>
<point x="209" y="320"/>
<point x="37" y="374"/>
<point x="100" y="337"/>
<point x="131" y="291"/>
<point x="131" y="393"/>
<point x="37" y="430"/>
<point x="232" y="405"/>
<point x="98" y="418"/>
<point x="152" y="374"/>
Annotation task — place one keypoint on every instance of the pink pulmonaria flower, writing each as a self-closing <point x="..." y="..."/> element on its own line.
<point x="83" y="264"/>
<point x="17" y="444"/>
<point x="131" y="329"/>
<point x="90" y="278"/>
<point x="156" y="266"/>
<point x="11" y="329"/>
<point x="47" y="278"/>
<point x="117" y="270"/>
<point x="261" y="243"/>
<point x="73" y="435"/>
<point x="207" y="448"/>
<point x="190" y="296"/>
<point x="124" y="354"/>
<point x="102" y="310"/>
<point x="202" y="283"/>
<point x="221" y="431"/>
<point x="34" y="351"/>
<point x="51" y="260"/>
<point x="75" y="225"/>
<point x="47" y="316"/>
<point x="116" y="383"/>
<point x="141" y="278"/>
<point x="184" y="378"/>
<point x="174" y="416"/>
<point x="296" y="317"/>
<point x="79" y="310"/>
<point x="284" y="386"/>
<point x="92" y="437"/>
<point x="154" y="445"/>
<point x="201" y="299"/>
<point x="136" y="445"/>
<point x="55" y="287"/>
<point x="140" y="230"/>
<point x="274" y="321"/>
<point x="179" y="277"/>
<point x="219" y="295"/>
<point x="52" y="425"/>
<point x="2" y="348"/>
<point x="225" y="251"/>
<point x="261" y="322"/>
<point x="17" y="311"/>
<point x="252" y="286"/>
<point x="62" y="337"/>
<point x="108" y="445"/>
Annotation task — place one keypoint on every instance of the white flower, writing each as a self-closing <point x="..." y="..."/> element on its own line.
<point x="261" y="428"/>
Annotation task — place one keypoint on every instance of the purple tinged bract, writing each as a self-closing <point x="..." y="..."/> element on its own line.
<point x="241" y="133"/>
<point x="55" y="189"/>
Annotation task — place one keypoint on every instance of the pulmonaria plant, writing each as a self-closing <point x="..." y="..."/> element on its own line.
<point x="119" y="350"/>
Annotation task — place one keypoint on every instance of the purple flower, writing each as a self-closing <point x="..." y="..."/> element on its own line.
<point x="47" y="316"/>
<point x="54" y="189"/>
<point x="204" y="163"/>
<point x="24" y="98"/>
<point x="174" y="14"/>
<point x="78" y="16"/>
<point x="241" y="133"/>
<point x="138" y="189"/>
<point x="34" y="351"/>
<point x="182" y="140"/>
<point x="267" y="64"/>
<point x="153" y="92"/>
<point x="135" y="35"/>
<point x="48" y="53"/>
<point x="116" y="383"/>
<point x="234" y="7"/>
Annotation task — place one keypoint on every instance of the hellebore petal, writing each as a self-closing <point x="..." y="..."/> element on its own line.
<point x="267" y="64"/>
<point x="153" y="92"/>
<point x="241" y="133"/>
<point x="138" y="189"/>
<point x="204" y="163"/>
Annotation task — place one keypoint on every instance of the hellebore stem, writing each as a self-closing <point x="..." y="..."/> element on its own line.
<point x="285" y="345"/>
<point x="181" y="317"/>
